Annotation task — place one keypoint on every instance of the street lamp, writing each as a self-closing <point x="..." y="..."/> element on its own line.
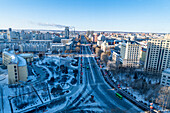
<point x="59" y="63"/>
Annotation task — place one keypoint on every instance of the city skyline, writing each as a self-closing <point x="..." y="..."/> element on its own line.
<point x="97" y="15"/>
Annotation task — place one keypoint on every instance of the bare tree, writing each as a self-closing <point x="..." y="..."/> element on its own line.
<point x="111" y="65"/>
<point x="77" y="49"/>
<point x="66" y="51"/>
<point x="104" y="58"/>
<point x="108" y="52"/>
<point x="98" y="51"/>
<point x="164" y="97"/>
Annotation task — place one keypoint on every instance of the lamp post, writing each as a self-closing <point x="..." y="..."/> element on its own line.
<point x="59" y="63"/>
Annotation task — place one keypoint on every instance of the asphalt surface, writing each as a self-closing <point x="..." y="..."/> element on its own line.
<point x="102" y="91"/>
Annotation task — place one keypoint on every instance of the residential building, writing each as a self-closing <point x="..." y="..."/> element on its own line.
<point x="165" y="80"/>
<point x="67" y="32"/>
<point x="47" y="36"/>
<point x="58" y="47"/>
<point x="9" y="34"/>
<point x="106" y="46"/>
<point x="47" y="42"/>
<point x="158" y="55"/>
<point x="116" y="58"/>
<point x="130" y="54"/>
<point x="17" y="67"/>
<point x="100" y="39"/>
<point x="33" y="47"/>
<point x="143" y="55"/>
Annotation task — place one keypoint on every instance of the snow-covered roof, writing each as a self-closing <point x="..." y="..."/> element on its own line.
<point x="21" y="61"/>
<point x="116" y="53"/>
<point x="26" y="55"/>
<point x="57" y="44"/>
<point x="69" y="43"/>
<point x="40" y="40"/>
<point x="14" y="58"/>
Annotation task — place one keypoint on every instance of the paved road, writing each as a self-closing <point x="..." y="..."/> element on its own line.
<point x="102" y="91"/>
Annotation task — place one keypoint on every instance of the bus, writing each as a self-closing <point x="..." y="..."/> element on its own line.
<point x="119" y="96"/>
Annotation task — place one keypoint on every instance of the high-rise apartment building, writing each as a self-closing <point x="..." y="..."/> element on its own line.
<point x="67" y="32"/>
<point x="158" y="55"/>
<point x="22" y="35"/>
<point x="130" y="54"/>
<point x="47" y="36"/>
<point x="9" y="33"/>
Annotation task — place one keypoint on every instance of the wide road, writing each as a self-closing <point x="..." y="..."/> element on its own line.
<point x="102" y="90"/>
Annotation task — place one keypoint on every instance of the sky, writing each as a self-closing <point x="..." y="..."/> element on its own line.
<point x="97" y="15"/>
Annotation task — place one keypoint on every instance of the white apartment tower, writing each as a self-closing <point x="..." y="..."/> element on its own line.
<point x="158" y="55"/>
<point x="130" y="54"/>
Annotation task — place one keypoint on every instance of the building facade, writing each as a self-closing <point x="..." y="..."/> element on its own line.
<point x="116" y="58"/>
<point x="157" y="55"/>
<point x="130" y="54"/>
<point x="67" y="32"/>
<point x="17" y="67"/>
<point x="165" y="80"/>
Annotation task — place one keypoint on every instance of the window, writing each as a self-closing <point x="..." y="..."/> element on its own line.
<point x="15" y="73"/>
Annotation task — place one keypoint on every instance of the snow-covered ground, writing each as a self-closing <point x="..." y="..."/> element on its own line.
<point x="3" y="76"/>
<point x="43" y="95"/>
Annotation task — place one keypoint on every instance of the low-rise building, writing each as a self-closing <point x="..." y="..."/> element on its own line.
<point x="116" y="58"/>
<point x="33" y="47"/>
<point x="27" y="56"/>
<point x="58" y="47"/>
<point x="47" y="42"/>
<point x="106" y="46"/>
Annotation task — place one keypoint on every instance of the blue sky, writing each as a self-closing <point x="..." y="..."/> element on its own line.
<point x="112" y="15"/>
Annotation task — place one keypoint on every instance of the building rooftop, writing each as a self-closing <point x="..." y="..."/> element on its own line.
<point x="26" y="55"/>
<point x="40" y="40"/>
<point x="21" y="61"/>
<point x="15" y="59"/>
